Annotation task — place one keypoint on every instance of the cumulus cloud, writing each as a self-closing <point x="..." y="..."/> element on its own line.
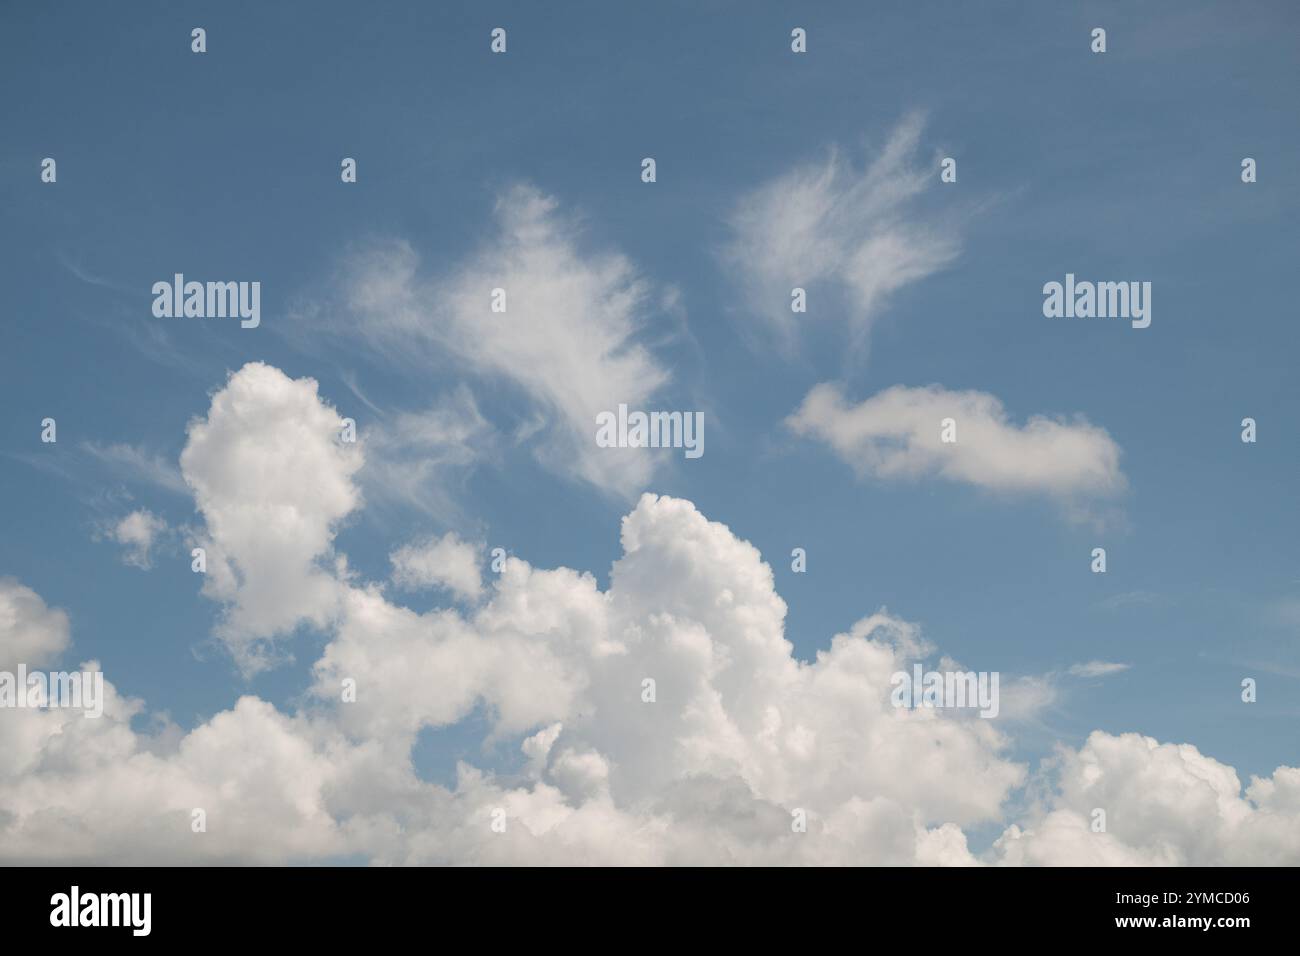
<point x="662" y="719"/>
<point x="1165" y="804"/>
<point x="570" y="338"/>
<point x="446" y="562"/>
<point x="740" y="741"/>
<point x="831" y="226"/>
<point x="30" y="632"/>
<point x="137" y="533"/>
<point x="272" y="480"/>
<point x="897" y="434"/>
<point x="78" y="790"/>
<point x="738" y="735"/>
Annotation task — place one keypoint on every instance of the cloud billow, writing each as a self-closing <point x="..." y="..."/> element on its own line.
<point x="898" y="434"/>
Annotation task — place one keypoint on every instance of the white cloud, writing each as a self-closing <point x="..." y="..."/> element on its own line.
<point x="414" y="459"/>
<point x="92" y="790"/>
<point x="741" y="734"/>
<point x="738" y="723"/>
<point x="30" y="632"/>
<point x="896" y="434"/>
<point x="569" y="339"/>
<point x="1165" y="804"/>
<point x="1097" y="669"/>
<point x="137" y="533"/>
<point x="829" y="226"/>
<point x="138" y="464"/>
<point x="445" y="562"/>
<point x="1026" y="698"/>
<point x="740" y="738"/>
<point x="272" y="481"/>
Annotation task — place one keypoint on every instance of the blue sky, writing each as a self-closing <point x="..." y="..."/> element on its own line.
<point x="1118" y="166"/>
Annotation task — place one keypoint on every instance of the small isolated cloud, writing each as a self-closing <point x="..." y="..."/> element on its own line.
<point x="830" y="225"/>
<point x="446" y="562"/>
<point x="1028" y="698"/>
<point x="137" y="533"/>
<point x="1131" y="599"/>
<point x="1096" y="669"/>
<point x="897" y="434"/>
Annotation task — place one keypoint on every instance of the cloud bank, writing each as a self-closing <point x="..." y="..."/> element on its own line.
<point x="716" y="761"/>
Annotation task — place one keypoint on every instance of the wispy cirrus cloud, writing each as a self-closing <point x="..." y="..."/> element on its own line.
<point x="1096" y="669"/>
<point x="832" y="227"/>
<point x="418" y="459"/>
<point x="571" y="338"/>
<point x="133" y="462"/>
